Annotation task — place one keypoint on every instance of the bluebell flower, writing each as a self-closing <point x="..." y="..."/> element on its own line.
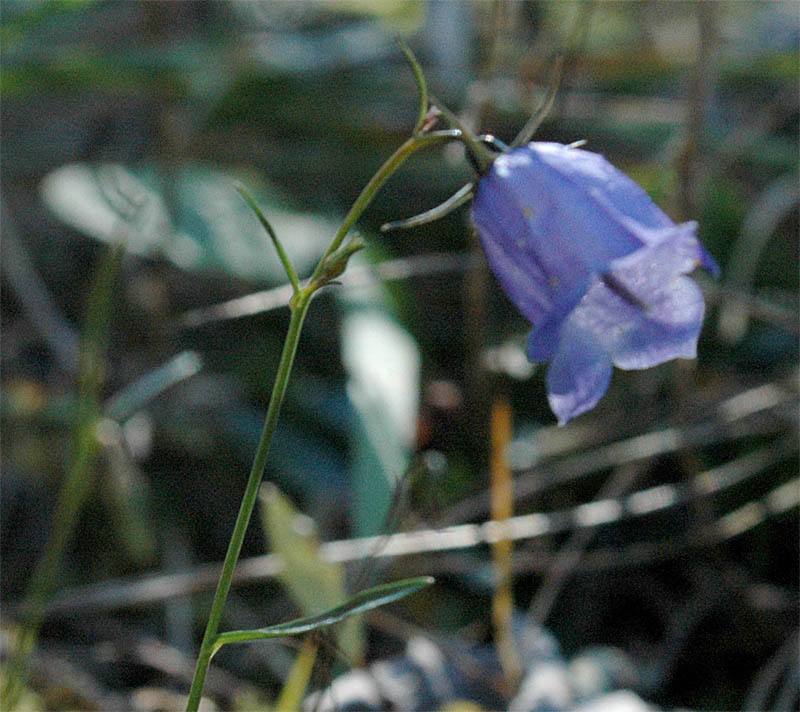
<point x="593" y="263"/>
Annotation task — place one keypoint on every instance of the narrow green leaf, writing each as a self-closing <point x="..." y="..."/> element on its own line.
<point x="313" y="583"/>
<point x="455" y="201"/>
<point x="360" y="603"/>
<point x="287" y="263"/>
<point x="78" y="483"/>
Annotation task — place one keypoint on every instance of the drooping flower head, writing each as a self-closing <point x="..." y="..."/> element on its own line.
<point x="593" y="263"/>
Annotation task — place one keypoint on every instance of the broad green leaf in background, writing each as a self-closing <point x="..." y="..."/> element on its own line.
<point x="313" y="583"/>
<point x="192" y="216"/>
<point x="382" y="361"/>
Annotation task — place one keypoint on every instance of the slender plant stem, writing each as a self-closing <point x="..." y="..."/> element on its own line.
<point x="299" y="309"/>
<point x="78" y="481"/>
<point x="422" y="85"/>
<point x="299" y="306"/>
<point x="407" y="149"/>
<point x="69" y="506"/>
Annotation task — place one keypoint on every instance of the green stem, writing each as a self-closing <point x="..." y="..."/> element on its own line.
<point x="361" y="203"/>
<point x="78" y="481"/>
<point x="482" y="155"/>
<point x="299" y="309"/>
<point x="69" y="506"/>
<point x="422" y="85"/>
<point x="299" y="306"/>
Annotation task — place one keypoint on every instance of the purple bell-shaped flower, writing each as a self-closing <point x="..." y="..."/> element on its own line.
<point x="593" y="263"/>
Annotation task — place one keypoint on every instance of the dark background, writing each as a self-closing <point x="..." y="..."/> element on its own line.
<point x="302" y="101"/>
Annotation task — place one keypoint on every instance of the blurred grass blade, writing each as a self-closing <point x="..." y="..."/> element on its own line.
<point x="77" y="483"/>
<point x="357" y="276"/>
<point x="360" y="603"/>
<point x="313" y="583"/>
<point x="125" y="494"/>
<point x="35" y="298"/>
<point x="294" y="689"/>
<point x="126" y="402"/>
<point x="769" y="210"/>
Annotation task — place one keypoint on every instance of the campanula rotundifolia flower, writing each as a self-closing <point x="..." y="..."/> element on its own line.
<point x="593" y="263"/>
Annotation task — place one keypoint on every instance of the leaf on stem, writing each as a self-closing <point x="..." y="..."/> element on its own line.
<point x="461" y="196"/>
<point x="313" y="583"/>
<point x="360" y="603"/>
<point x="287" y="263"/>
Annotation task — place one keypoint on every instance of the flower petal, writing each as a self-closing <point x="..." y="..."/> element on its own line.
<point x="664" y="331"/>
<point x="670" y="251"/>
<point x="641" y="338"/>
<point x="524" y="279"/>
<point x="615" y="194"/>
<point x="543" y="340"/>
<point x="549" y="217"/>
<point x="579" y="374"/>
<point x="643" y="310"/>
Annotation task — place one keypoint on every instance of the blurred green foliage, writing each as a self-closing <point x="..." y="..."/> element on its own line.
<point x="302" y="102"/>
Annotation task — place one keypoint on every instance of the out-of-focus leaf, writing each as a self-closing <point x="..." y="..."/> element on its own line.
<point x="304" y="462"/>
<point x="399" y="16"/>
<point x="187" y="69"/>
<point x="85" y="71"/>
<point x="126" y="496"/>
<point x="194" y="217"/>
<point x="125" y="403"/>
<point x="29" y="701"/>
<point x="383" y="363"/>
<point x="360" y="603"/>
<point x="313" y="583"/>
<point x="461" y="706"/>
<point x="784" y="66"/>
<point x="294" y="688"/>
<point x="22" y="17"/>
